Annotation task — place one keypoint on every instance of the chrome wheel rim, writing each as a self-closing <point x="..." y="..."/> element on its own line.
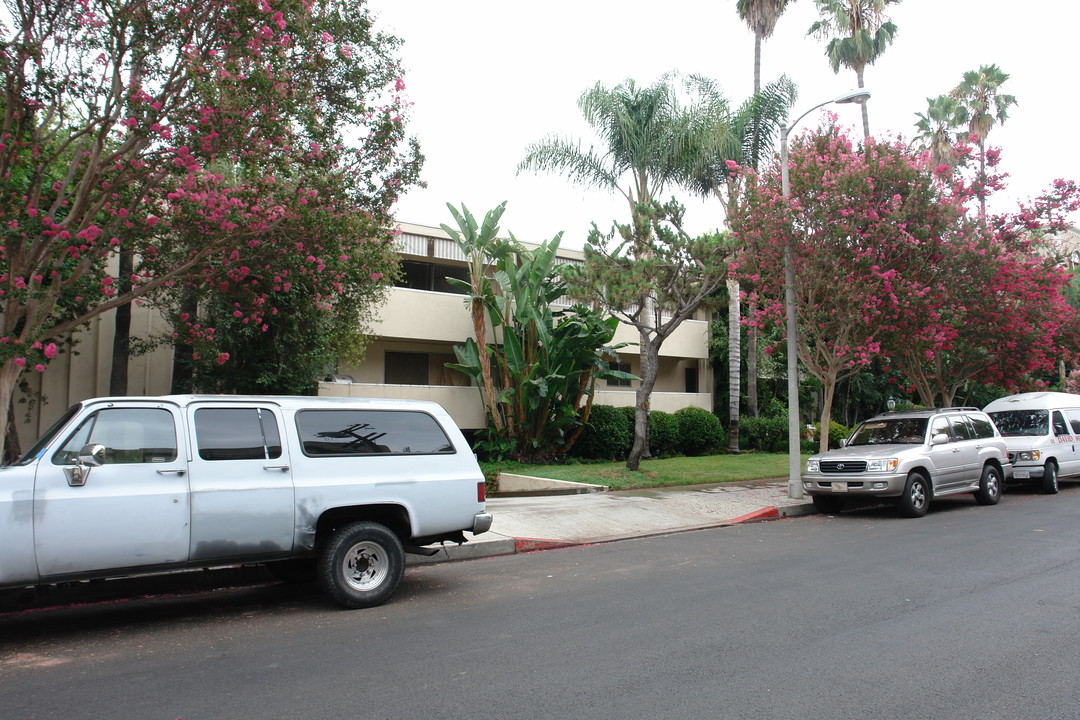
<point x="365" y="566"/>
<point x="993" y="487"/>
<point x="918" y="494"/>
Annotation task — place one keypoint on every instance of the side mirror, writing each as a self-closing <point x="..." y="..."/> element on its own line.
<point x="843" y="442"/>
<point x="90" y="456"/>
<point x="939" y="439"/>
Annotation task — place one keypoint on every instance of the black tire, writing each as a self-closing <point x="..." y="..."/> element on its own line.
<point x="989" y="492"/>
<point x="361" y="565"/>
<point x="828" y="504"/>
<point x="293" y="572"/>
<point x="1050" y="479"/>
<point x="916" y="498"/>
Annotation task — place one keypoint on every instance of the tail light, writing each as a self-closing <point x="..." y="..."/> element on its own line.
<point x="481" y="491"/>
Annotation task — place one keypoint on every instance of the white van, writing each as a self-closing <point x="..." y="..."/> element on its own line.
<point x="1042" y="431"/>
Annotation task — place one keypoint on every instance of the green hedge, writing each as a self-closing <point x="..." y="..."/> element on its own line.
<point x="766" y="434"/>
<point x="700" y="432"/>
<point x="608" y="436"/>
<point x="663" y="434"/>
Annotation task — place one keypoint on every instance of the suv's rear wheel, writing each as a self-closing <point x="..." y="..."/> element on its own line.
<point x="361" y="564"/>
<point x="916" y="498"/>
<point x="1050" y="481"/>
<point x="828" y="504"/>
<point x="989" y="491"/>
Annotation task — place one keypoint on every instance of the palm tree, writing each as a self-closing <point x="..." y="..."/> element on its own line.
<point x="858" y="32"/>
<point x="755" y="126"/>
<point x="980" y="94"/>
<point x="937" y="128"/>
<point x="649" y="141"/>
<point x="760" y="16"/>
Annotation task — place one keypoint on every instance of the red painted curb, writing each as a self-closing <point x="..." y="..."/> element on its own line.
<point x="531" y="544"/>
<point x="769" y="513"/>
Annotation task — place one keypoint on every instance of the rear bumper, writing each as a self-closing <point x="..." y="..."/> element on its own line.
<point x="481" y="523"/>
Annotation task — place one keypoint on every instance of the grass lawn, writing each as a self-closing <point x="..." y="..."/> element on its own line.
<point x="668" y="472"/>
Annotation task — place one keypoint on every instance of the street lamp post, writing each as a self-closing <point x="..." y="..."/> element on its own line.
<point x="795" y="489"/>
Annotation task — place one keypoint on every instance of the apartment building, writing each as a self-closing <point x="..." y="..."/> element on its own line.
<point x="418" y="326"/>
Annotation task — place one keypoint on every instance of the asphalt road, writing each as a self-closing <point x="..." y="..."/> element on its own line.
<point x="970" y="612"/>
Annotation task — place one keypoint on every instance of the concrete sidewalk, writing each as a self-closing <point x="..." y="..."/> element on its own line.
<point x="529" y="523"/>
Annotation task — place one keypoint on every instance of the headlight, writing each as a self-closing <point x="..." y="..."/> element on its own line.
<point x="886" y="465"/>
<point x="813" y="465"/>
<point x="1029" y="455"/>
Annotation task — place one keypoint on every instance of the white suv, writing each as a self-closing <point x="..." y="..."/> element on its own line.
<point x="911" y="457"/>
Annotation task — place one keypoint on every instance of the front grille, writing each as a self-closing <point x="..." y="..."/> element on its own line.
<point x="843" y="466"/>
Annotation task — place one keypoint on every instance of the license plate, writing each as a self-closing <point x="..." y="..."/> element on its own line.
<point x="1021" y="474"/>
<point x="839" y="487"/>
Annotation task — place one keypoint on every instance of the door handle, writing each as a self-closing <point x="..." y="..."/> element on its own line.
<point x="282" y="468"/>
<point x="171" y="472"/>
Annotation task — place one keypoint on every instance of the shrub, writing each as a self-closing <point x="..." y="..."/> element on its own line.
<point x="837" y="432"/>
<point x="607" y="436"/>
<point x="767" y="434"/>
<point x="663" y="434"/>
<point x="700" y="432"/>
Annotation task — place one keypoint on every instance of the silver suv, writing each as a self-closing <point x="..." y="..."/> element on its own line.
<point x="911" y="457"/>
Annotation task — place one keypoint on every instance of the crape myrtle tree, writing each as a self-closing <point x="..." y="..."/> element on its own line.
<point x="117" y="119"/>
<point x="537" y="378"/>
<point x="652" y="137"/>
<point x="1003" y="317"/>
<point x="864" y="225"/>
<point x="678" y="273"/>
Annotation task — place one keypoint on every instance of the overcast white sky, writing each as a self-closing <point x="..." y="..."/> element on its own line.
<point x="488" y="77"/>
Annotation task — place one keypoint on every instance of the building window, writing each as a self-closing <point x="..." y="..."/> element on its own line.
<point x="691" y="380"/>
<point x="405" y="368"/>
<point x="431" y="276"/>
<point x="620" y="367"/>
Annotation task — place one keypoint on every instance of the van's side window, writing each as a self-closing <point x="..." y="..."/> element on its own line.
<point x="1060" y="428"/>
<point x="1073" y="416"/>
<point x="237" y="434"/>
<point x="130" y="435"/>
<point x="370" y="432"/>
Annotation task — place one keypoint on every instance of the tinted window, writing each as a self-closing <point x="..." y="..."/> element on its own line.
<point x="941" y="425"/>
<point x="237" y="434"/>
<point x="960" y="428"/>
<point x="982" y="426"/>
<point x="1060" y="428"/>
<point x="1013" y="423"/>
<point x="130" y="435"/>
<point x="370" y="432"/>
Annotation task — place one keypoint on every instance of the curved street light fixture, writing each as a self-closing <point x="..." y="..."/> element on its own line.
<point x="795" y="489"/>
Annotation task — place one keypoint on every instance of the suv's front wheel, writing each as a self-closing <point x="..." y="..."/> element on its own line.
<point x="989" y="491"/>
<point x="916" y="498"/>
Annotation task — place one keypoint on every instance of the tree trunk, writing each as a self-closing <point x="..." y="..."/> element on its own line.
<point x="757" y="63"/>
<point x="650" y="352"/>
<point x="734" y="362"/>
<point x="865" y="114"/>
<point x="9" y="377"/>
<point x="12" y="449"/>
<point x="829" y="385"/>
<point x="121" y="351"/>
<point x="183" y="372"/>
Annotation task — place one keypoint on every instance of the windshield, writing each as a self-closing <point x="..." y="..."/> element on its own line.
<point x="28" y="457"/>
<point x="901" y="431"/>
<point x="1017" y="423"/>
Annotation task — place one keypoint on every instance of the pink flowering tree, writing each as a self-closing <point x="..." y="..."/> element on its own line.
<point x="1001" y="317"/>
<point x="146" y="144"/>
<point x="862" y="223"/>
